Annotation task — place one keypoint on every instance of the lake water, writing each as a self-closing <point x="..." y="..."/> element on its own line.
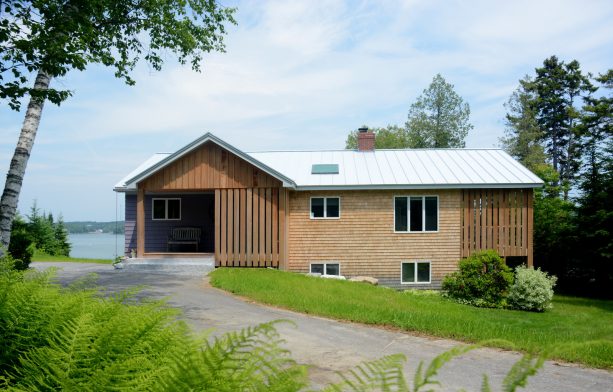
<point x="96" y="245"/>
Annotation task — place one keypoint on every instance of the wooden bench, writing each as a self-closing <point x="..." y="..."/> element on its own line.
<point x="184" y="236"/>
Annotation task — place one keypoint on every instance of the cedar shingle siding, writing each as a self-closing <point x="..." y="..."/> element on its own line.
<point x="363" y="239"/>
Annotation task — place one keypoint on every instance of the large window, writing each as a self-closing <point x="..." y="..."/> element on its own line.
<point x="415" y="213"/>
<point x="415" y="272"/>
<point x="166" y="209"/>
<point x="326" y="269"/>
<point x="325" y="207"/>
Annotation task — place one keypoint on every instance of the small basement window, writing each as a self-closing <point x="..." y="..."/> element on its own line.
<point x="166" y="209"/>
<point x="415" y="213"/>
<point x="415" y="272"/>
<point x="326" y="269"/>
<point x="325" y="207"/>
<point x="324" y="168"/>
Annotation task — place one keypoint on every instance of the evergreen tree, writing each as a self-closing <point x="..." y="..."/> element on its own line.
<point x="595" y="204"/>
<point x="522" y="133"/>
<point x="439" y="118"/>
<point x="61" y="237"/>
<point x="557" y="89"/>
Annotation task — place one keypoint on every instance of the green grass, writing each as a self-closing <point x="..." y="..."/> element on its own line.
<point x="575" y="330"/>
<point x="40" y="256"/>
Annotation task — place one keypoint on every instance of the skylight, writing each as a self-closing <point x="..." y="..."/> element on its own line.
<point x="325" y="168"/>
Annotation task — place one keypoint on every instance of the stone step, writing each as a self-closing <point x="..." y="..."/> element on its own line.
<point x="173" y="265"/>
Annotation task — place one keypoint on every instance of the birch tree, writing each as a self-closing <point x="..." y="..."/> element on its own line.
<point x="45" y="39"/>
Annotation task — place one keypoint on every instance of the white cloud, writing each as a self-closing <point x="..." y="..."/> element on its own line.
<point x="301" y="74"/>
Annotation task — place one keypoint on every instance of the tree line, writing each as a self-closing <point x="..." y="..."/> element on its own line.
<point x="40" y="231"/>
<point x="559" y="125"/>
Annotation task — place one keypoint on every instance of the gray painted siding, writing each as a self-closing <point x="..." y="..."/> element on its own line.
<point x="130" y="224"/>
<point x="196" y="211"/>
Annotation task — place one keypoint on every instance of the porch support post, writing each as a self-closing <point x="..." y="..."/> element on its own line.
<point x="140" y="222"/>
<point x="283" y="228"/>
<point x="530" y="222"/>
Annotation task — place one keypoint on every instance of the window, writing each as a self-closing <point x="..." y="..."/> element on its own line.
<point x="326" y="269"/>
<point x="415" y="272"/>
<point x="166" y="209"/>
<point x="415" y="213"/>
<point x="325" y="207"/>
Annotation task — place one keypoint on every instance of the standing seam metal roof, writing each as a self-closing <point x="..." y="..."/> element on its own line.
<point x="379" y="169"/>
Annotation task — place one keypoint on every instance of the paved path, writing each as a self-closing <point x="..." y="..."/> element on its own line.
<point x="330" y="345"/>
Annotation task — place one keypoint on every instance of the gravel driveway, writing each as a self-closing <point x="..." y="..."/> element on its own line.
<point x="329" y="345"/>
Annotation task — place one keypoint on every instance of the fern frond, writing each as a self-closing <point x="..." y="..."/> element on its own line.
<point x="384" y="374"/>
<point x="426" y="377"/>
<point x="527" y="366"/>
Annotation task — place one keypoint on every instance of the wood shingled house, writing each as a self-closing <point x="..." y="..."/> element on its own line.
<point x="403" y="216"/>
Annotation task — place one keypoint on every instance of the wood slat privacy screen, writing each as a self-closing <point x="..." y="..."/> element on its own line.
<point x="499" y="219"/>
<point x="249" y="227"/>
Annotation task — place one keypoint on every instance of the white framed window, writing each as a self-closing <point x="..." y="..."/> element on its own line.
<point x="325" y="207"/>
<point x="166" y="209"/>
<point x="415" y="272"/>
<point x="415" y="214"/>
<point x="325" y="268"/>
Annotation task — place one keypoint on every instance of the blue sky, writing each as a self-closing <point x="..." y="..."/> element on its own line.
<point x="299" y="75"/>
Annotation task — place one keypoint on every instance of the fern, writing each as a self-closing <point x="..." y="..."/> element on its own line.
<point x="54" y="338"/>
<point x="385" y="374"/>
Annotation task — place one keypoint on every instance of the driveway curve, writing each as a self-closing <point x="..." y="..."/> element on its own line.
<point x="328" y="345"/>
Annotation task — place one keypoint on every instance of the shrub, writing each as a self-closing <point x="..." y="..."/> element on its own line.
<point x="21" y="247"/>
<point x="482" y="280"/>
<point x="532" y="289"/>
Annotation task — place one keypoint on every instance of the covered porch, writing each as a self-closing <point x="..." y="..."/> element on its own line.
<point x="207" y="201"/>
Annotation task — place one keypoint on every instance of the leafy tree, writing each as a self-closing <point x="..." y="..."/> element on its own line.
<point x="391" y="136"/>
<point x="46" y="39"/>
<point x="557" y="90"/>
<point x="439" y="118"/>
<point x="522" y="132"/>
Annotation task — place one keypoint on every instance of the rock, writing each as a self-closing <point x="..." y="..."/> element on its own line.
<point x="365" y="279"/>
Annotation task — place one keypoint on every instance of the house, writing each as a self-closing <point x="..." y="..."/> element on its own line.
<point x="403" y="216"/>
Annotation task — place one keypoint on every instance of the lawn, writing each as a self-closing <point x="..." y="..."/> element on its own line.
<point x="575" y="330"/>
<point x="40" y="256"/>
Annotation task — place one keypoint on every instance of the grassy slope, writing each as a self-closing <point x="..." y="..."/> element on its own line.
<point x="575" y="330"/>
<point x="40" y="256"/>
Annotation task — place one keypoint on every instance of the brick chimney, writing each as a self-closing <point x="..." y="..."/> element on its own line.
<point x="366" y="139"/>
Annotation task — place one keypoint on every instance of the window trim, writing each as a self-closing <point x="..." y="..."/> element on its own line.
<point x="324" y="263"/>
<point x="166" y="209"/>
<point x="429" y="262"/>
<point x="325" y="207"/>
<point x="423" y="209"/>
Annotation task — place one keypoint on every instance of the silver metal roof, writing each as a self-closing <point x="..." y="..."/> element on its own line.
<point x="427" y="168"/>
<point x="379" y="169"/>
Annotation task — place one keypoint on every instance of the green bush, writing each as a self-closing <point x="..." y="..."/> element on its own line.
<point x="482" y="280"/>
<point x="21" y="247"/>
<point x="532" y="289"/>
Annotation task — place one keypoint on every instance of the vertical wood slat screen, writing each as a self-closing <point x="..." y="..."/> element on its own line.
<point x="499" y="219"/>
<point x="248" y="231"/>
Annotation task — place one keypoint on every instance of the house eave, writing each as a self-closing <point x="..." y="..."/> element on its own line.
<point x="416" y="186"/>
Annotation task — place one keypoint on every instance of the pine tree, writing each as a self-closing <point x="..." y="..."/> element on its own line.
<point x="61" y="237"/>
<point x="557" y="89"/>
<point x="439" y="118"/>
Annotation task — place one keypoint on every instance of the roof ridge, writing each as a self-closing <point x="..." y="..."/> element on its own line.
<point x="386" y="149"/>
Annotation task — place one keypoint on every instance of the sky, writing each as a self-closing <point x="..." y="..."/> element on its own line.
<point x="298" y="75"/>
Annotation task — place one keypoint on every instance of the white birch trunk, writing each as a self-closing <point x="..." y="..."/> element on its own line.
<point x="17" y="170"/>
